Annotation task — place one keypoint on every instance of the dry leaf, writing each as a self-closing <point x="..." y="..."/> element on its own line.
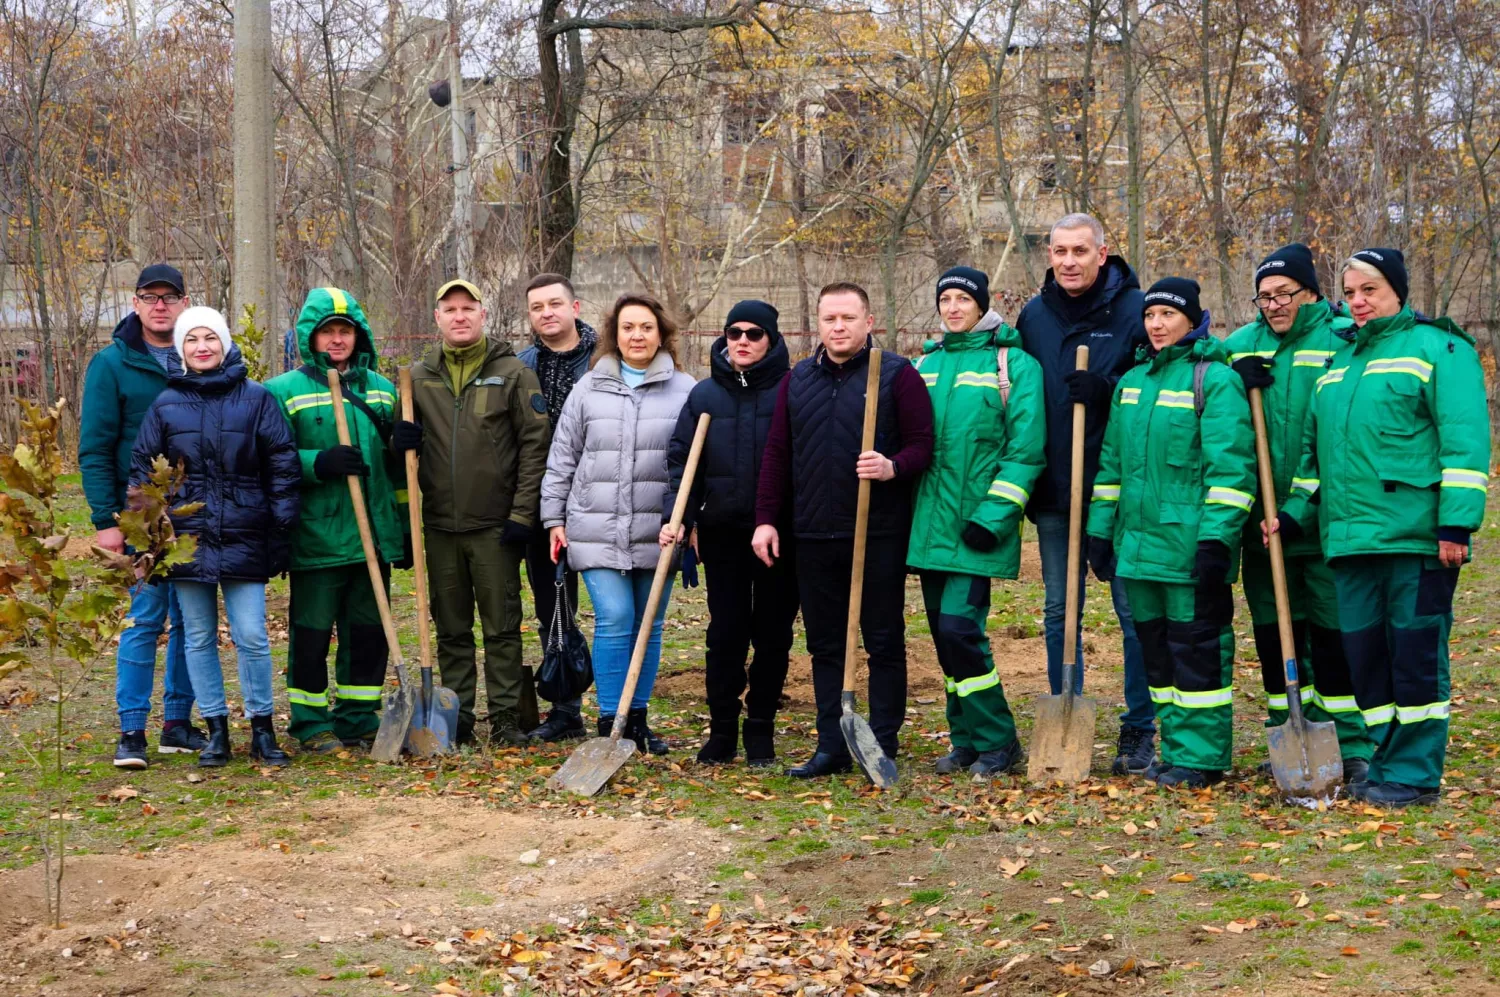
<point x="715" y="915"/>
<point x="1129" y="827"/>
<point x="123" y="793"/>
<point x="1349" y="950"/>
<point x="1107" y="870"/>
<point x="1009" y="867"/>
<point x="529" y="955"/>
<point x="148" y="810"/>
<point x="1302" y="900"/>
<point x="1211" y="929"/>
<point x="1353" y="846"/>
<point x="1181" y="877"/>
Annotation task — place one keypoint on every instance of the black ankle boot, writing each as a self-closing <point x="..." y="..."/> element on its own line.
<point x="263" y="746"/>
<point x="645" y="739"/>
<point x="607" y="724"/>
<point x="723" y="742"/>
<point x="217" y="752"/>
<point x="760" y="741"/>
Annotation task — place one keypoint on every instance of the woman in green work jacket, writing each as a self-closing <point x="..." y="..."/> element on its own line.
<point x="1395" y="460"/>
<point x="1176" y="482"/>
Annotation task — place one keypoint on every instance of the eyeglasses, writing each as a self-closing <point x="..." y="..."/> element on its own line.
<point x="1264" y="301"/>
<point x="752" y="334"/>
<point x="151" y="299"/>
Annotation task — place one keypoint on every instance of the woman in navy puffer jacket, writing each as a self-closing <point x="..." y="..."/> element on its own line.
<point x="242" y="464"/>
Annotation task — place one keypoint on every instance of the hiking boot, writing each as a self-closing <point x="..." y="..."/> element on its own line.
<point x="960" y="758"/>
<point x="1356" y="770"/>
<point x="1135" y="752"/>
<point x="820" y="764"/>
<point x="644" y="737"/>
<point x="130" y="753"/>
<point x="759" y="737"/>
<point x="722" y="744"/>
<point x="1000" y="761"/>
<point x="217" y="752"/>
<point x="505" y="730"/>
<point x="1179" y="775"/>
<point x="559" y="726"/>
<point x="263" y="746"/>
<point x="1394" y="794"/>
<point x="322" y="743"/>
<point x="181" y="738"/>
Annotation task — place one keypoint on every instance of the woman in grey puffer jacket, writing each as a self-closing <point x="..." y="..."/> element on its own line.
<point x="602" y="495"/>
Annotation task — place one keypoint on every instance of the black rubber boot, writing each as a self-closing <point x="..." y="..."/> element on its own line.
<point x="638" y="731"/>
<point x="607" y="724"/>
<point x="760" y="741"/>
<point x="722" y="744"/>
<point x="263" y="746"/>
<point x="217" y="753"/>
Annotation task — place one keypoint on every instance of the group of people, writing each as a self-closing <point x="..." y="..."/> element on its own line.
<point x="569" y="457"/>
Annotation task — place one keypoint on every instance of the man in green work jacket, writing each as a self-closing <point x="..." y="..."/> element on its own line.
<point x="330" y="581"/>
<point x="1283" y="353"/>
<point x="482" y="431"/>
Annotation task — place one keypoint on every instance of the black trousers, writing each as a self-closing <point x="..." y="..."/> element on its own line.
<point x="823" y="570"/>
<point x="749" y="605"/>
<point x="542" y="574"/>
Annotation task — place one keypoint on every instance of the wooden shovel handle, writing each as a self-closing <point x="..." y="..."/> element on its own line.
<point x="1075" y="528"/>
<point x="659" y="582"/>
<point x="1278" y="567"/>
<point x="362" y="520"/>
<point x="861" y="522"/>
<point x="418" y="543"/>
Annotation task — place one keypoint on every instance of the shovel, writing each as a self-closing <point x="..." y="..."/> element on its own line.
<point x="395" y="717"/>
<point x="595" y="761"/>
<point x="434" y="725"/>
<point x="1305" y="756"/>
<point x="1062" y="739"/>
<point x="867" y="751"/>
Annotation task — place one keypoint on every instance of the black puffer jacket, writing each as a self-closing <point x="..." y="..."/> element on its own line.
<point x="241" y="463"/>
<point x="740" y="406"/>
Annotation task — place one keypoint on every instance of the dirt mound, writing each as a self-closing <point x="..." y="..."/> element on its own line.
<point x="350" y="872"/>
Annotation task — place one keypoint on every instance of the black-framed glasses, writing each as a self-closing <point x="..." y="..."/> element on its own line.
<point x="151" y="299"/>
<point x="753" y="334"/>
<point x="1264" y="301"/>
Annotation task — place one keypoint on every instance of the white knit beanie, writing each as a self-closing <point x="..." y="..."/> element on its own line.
<point x="200" y="317"/>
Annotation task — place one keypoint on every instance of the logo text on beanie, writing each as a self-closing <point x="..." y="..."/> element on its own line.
<point x="1167" y="296"/>
<point x="1370" y="253"/>
<point x="960" y="281"/>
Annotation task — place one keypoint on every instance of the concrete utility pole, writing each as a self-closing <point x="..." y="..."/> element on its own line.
<point x="254" y="278"/>
<point x="463" y="179"/>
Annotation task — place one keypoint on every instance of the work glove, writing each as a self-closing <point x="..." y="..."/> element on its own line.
<point x="339" y="462"/>
<point x="1211" y="564"/>
<point x="513" y="534"/>
<point x="689" y="567"/>
<point x="1254" y="371"/>
<point x="1291" y="531"/>
<point x="979" y="538"/>
<point x="408" y="555"/>
<point x="406" y="436"/>
<point x="1102" y="558"/>
<point x="1087" y="388"/>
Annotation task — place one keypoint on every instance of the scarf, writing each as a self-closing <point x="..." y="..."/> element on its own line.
<point x="465" y="362"/>
<point x="555" y="370"/>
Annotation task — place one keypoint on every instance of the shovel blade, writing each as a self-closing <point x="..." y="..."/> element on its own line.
<point x="868" y="754"/>
<point x="592" y="764"/>
<point x="399" y="706"/>
<point x="1305" y="759"/>
<point x="1062" y="740"/>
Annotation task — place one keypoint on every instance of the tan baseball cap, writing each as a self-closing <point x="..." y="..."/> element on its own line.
<point x="463" y="285"/>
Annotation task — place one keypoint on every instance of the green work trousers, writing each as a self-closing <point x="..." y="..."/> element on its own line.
<point x="1327" y="690"/>
<point x="322" y="599"/>
<point x="1188" y="647"/>
<point x="1396" y="611"/>
<point x="465" y="569"/>
<point x="958" y="608"/>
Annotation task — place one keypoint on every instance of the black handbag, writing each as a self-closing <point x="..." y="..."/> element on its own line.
<point x="567" y="668"/>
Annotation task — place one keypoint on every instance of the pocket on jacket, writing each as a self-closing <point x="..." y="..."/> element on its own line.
<point x="1413" y="471"/>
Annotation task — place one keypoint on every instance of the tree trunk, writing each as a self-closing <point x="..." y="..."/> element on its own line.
<point x="557" y="226"/>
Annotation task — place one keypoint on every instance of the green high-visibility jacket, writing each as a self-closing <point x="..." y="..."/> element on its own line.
<point x="1298" y="358"/>
<point x="1170" y="478"/>
<point x="327" y="535"/>
<point x="987" y="453"/>
<point x="1397" y="444"/>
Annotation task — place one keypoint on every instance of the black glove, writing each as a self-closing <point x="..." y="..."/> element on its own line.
<point x="979" y="538"/>
<point x="1254" y="371"/>
<point x="408" y="556"/>
<point x="1212" y="563"/>
<point x="406" y="436"/>
<point x="339" y="462"/>
<point x="689" y="567"/>
<point x="1291" y="531"/>
<point x="1087" y="388"/>
<point x="280" y="556"/>
<point x="1102" y="558"/>
<point x="513" y="534"/>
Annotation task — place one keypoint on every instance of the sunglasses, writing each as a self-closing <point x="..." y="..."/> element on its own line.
<point x="754" y="335"/>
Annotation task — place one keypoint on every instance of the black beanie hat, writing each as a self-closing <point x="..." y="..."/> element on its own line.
<point x="1294" y="261"/>
<point x="974" y="283"/>
<point x="760" y="313"/>
<point x="1392" y="266"/>
<point x="1180" y="293"/>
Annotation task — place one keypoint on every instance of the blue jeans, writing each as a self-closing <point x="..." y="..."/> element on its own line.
<point x="245" y="605"/>
<point x="619" y="599"/>
<point x="1052" y="541"/>
<point x="135" y="662"/>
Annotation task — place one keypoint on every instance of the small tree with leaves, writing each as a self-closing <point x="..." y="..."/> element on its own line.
<point x="58" y="618"/>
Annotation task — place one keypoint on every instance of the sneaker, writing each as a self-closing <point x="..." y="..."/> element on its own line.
<point x="181" y="739"/>
<point x="322" y="743"/>
<point x="1135" y="752"/>
<point x="960" y="758"/>
<point x="130" y="753"/>
<point x="1179" y="775"/>
<point x="559" y="726"/>
<point x="1000" y="761"/>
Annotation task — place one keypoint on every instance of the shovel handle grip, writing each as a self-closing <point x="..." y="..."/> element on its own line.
<point x="1278" y="566"/>
<point x="861" y="523"/>
<point x="418" y="541"/>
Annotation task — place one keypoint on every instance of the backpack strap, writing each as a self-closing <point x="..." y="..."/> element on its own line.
<point x="1199" y="369"/>
<point x="1002" y="371"/>
<point x="382" y="426"/>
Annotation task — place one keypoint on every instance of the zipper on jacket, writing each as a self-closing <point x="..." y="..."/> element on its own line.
<point x="458" y="404"/>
